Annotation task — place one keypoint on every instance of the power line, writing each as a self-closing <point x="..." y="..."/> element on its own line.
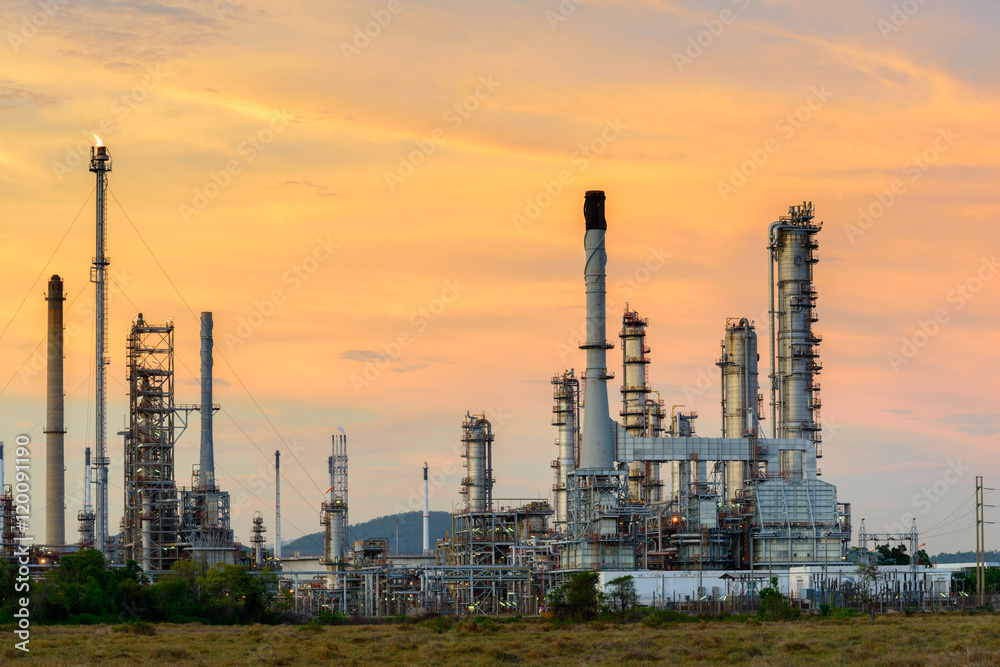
<point x="216" y="347"/>
<point x="47" y="262"/>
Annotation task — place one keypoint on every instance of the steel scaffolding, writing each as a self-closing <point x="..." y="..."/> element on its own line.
<point x="151" y="522"/>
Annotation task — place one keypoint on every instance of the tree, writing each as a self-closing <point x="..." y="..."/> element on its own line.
<point x="895" y="556"/>
<point x="578" y="599"/>
<point x="621" y="595"/>
<point x="773" y="605"/>
<point x="869" y="587"/>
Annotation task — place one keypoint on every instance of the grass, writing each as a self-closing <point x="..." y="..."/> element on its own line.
<point x="891" y="641"/>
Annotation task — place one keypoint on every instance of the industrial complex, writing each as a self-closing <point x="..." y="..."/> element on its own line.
<point x="690" y="517"/>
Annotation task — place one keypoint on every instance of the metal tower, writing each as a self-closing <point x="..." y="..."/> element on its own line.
<point x="86" y="516"/>
<point x="100" y="164"/>
<point x="477" y="450"/>
<point x="334" y="509"/>
<point x="258" y="544"/>
<point x="151" y="520"/>
<point x="794" y="364"/>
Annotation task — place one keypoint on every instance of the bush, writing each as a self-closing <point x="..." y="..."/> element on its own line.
<point x="773" y="605"/>
<point x="137" y="628"/>
<point x="578" y="599"/>
<point x="657" y="617"/>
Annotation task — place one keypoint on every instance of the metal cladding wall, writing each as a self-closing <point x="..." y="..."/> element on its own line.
<point x="55" y="430"/>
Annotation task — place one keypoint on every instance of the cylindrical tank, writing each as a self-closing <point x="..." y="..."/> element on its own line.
<point x="793" y="246"/>
<point x="477" y="440"/>
<point x="565" y="389"/>
<point x="634" y="391"/>
<point x="739" y="381"/>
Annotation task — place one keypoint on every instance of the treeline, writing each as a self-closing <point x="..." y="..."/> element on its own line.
<point x="83" y="590"/>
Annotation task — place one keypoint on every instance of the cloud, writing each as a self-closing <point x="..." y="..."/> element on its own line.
<point x="362" y="355"/>
<point x="408" y="369"/>
<point x="982" y="425"/>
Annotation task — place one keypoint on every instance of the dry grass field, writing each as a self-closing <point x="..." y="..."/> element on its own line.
<point x="895" y="640"/>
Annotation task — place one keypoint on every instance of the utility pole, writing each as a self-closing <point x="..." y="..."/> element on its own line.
<point x="981" y="540"/>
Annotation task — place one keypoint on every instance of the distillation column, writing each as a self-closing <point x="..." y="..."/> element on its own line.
<point x="642" y="481"/>
<point x="740" y="399"/>
<point x="565" y="391"/>
<point x="794" y="364"/>
<point x="334" y="511"/>
<point x="477" y="449"/>
<point x="55" y="430"/>
<point x="100" y="164"/>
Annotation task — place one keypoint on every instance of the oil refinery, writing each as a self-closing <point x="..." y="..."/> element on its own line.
<point x="690" y="517"/>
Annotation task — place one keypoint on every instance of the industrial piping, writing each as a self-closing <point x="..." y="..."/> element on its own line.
<point x="55" y="430"/>
<point x="597" y="451"/>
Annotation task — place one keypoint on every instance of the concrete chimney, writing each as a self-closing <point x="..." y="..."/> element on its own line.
<point x="55" y="430"/>
<point x="597" y="451"/>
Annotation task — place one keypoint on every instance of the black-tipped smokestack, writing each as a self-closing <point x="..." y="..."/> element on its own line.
<point x="593" y="210"/>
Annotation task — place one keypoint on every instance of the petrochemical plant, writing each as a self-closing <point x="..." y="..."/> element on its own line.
<point x="689" y="517"/>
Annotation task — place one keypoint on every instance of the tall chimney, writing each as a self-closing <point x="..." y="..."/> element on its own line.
<point x="55" y="475"/>
<point x="427" y="514"/>
<point x="207" y="460"/>
<point x="277" y="505"/>
<point x="597" y="449"/>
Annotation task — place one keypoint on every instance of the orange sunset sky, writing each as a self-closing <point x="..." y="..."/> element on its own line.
<point x="408" y="204"/>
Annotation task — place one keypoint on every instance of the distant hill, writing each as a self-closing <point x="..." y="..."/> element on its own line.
<point x="411" y="534"/>
<point x="964" y="557"/>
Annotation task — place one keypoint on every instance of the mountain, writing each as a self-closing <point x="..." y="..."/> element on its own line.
<point x="965" y="557"/>
<point x="411" y="534"/>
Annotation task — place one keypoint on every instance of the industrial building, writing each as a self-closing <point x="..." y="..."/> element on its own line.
<point x="644" y="495"/>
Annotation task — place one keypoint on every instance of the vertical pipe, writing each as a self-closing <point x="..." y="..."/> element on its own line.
<point x="55" y="475"/>
<point x="770" y="300"/>
<point x="597" y="450"/>
<point x="277" y="505"/>
<point x="1" y="484"/>
<point x="100" y="164"/>
<point x="427" y="514"/>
